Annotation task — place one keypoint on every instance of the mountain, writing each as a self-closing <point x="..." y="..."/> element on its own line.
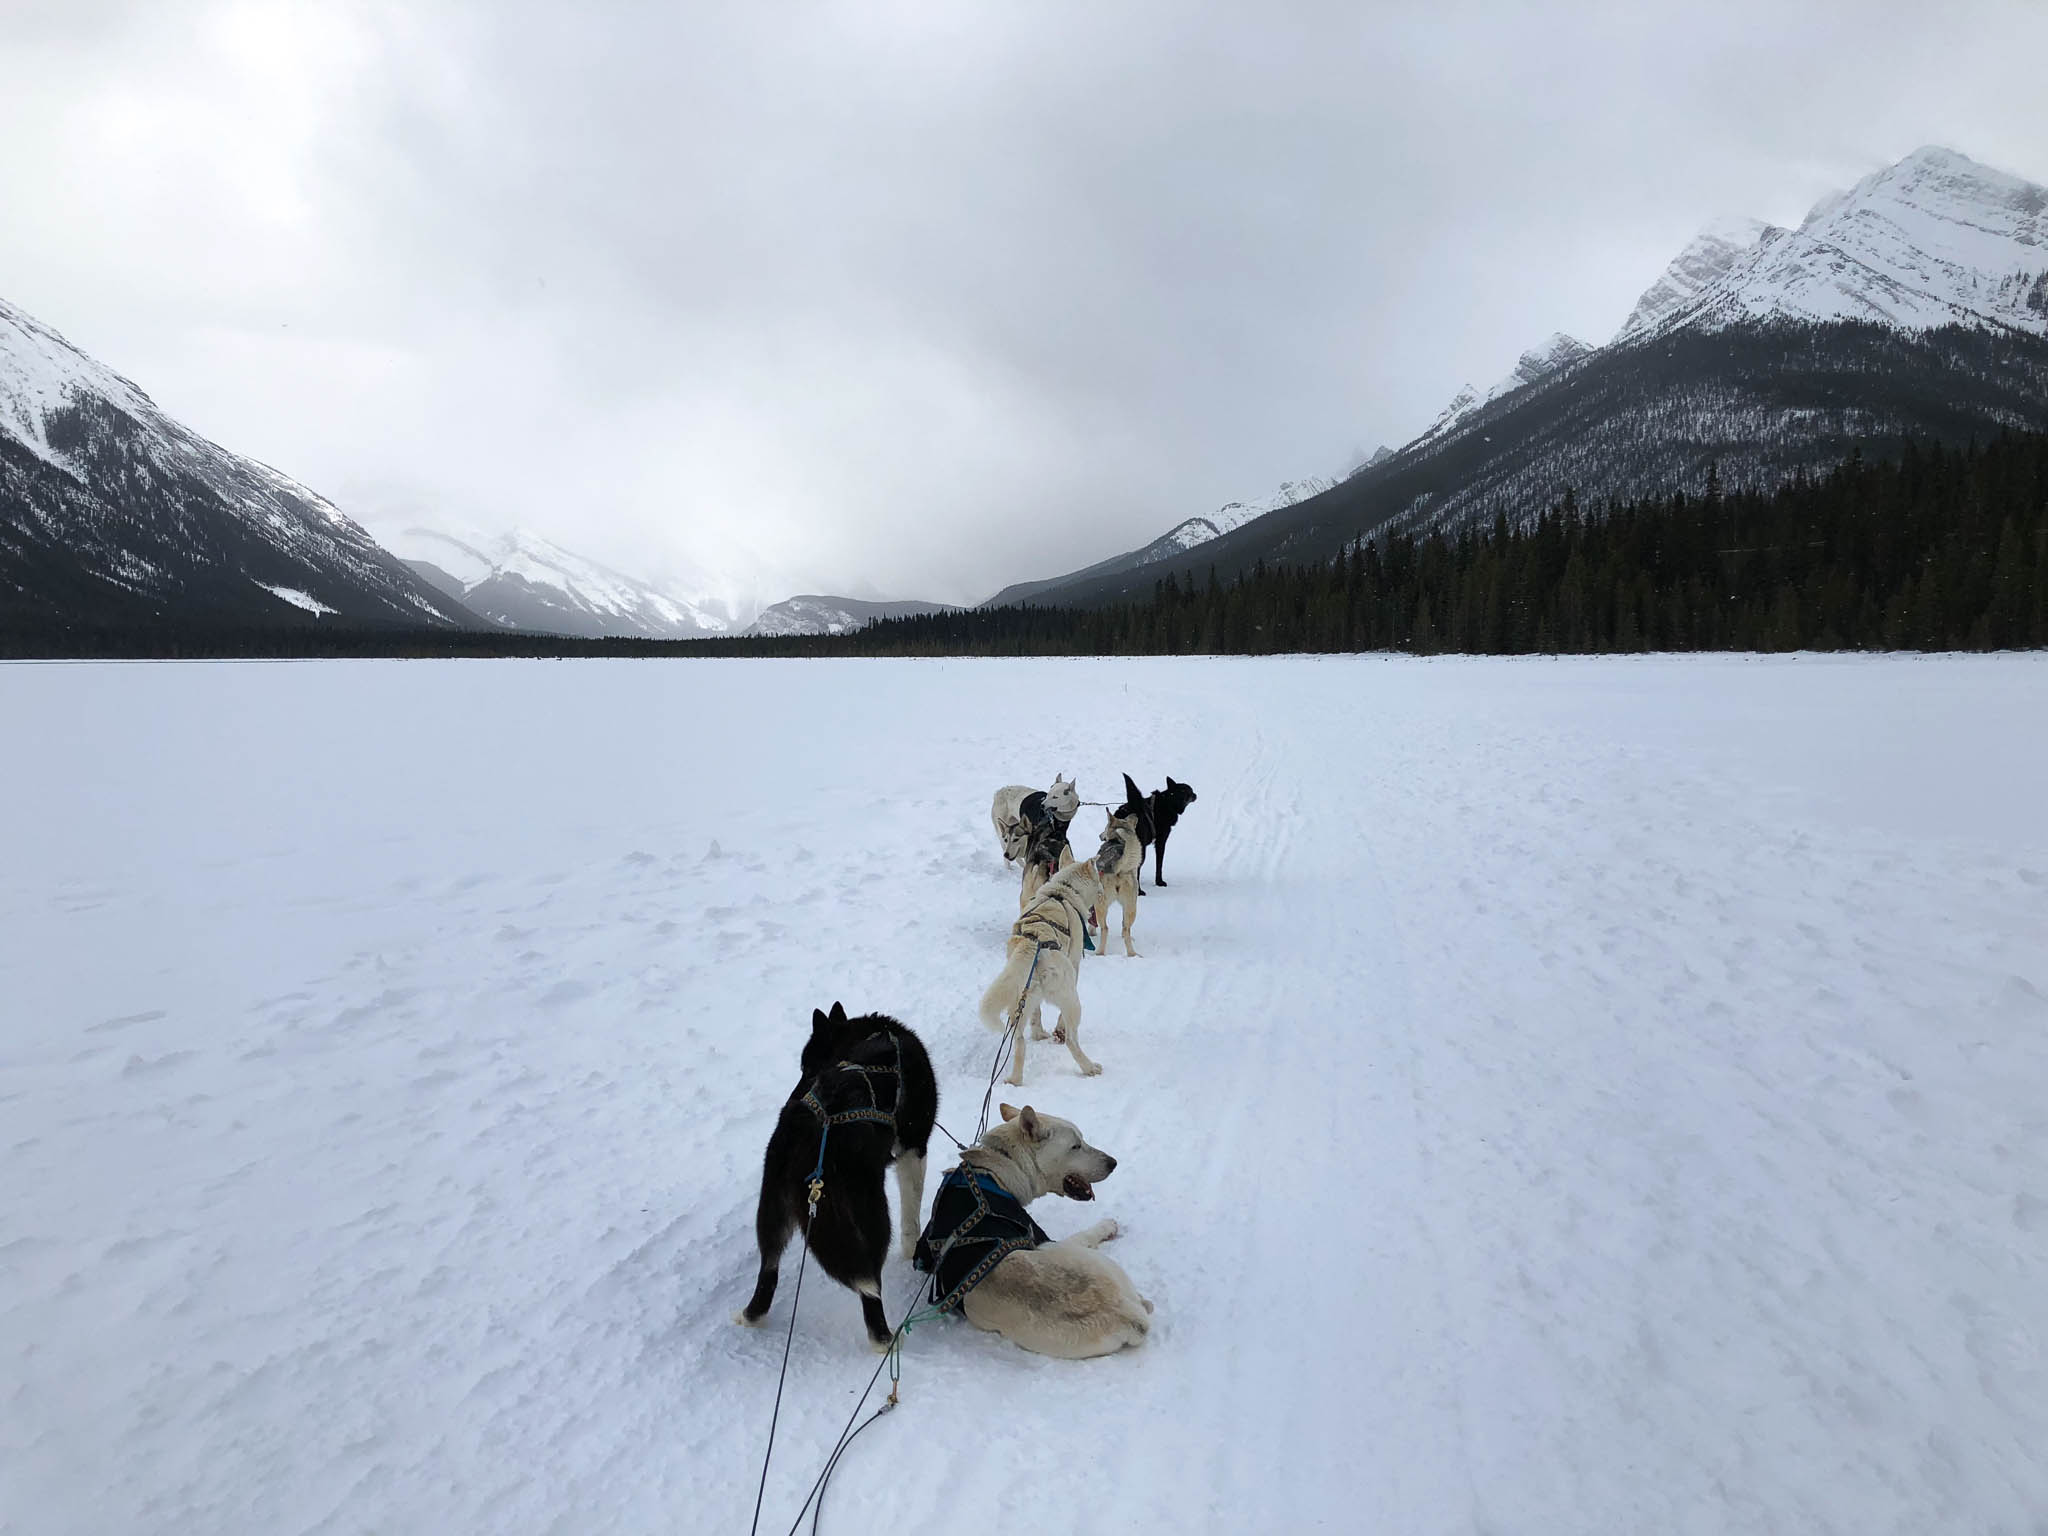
<point x="1935" y="240"/>
<point x="814" y="615"/>
<point x="112" y="513"/>
<point x="1914" y="305"/>
<point x="520" y="580"/>
<point x="1561" y="351"/>
<point x="1707" y="258"/>
<point x="1176" y="541"/>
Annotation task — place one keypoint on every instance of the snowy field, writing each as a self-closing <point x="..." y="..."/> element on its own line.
<point x="1582" y="1096"/>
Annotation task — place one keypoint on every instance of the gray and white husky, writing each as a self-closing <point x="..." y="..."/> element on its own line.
<point x="1062" y="1299"/>
<point x="1042" y="962"/>
<point x="1120" y="876"/>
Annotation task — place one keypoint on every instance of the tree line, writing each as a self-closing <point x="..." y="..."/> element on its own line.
<point x="1939" y="549"/>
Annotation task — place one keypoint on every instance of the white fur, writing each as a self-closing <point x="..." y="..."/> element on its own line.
<point x="1064" y="1299"/>
<point x="909" y="1198"/>
<point x="1050" y="931"/>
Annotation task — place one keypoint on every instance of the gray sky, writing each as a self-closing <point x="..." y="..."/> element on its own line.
<point x="906" y="300"/>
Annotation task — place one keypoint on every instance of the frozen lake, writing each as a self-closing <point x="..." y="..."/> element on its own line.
<point x="1590" y="1095"/>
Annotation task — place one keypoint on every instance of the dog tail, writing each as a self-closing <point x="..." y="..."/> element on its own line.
<point x="1002" y="992"/>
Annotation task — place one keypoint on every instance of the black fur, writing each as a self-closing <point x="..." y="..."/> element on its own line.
<point x="1048" y="832"/>
<point x="850" y="1236"/>
<point x="1156" y="813"/>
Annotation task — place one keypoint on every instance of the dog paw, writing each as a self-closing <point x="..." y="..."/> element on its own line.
<point x="1059" y="1033"/>
<point x="1109" y="1229"/>
<point x="881" y="1346"/>
<point x="1145" y="1304"/>
<point x="745" y="1321"/>
<point x="1093" y="1069"/>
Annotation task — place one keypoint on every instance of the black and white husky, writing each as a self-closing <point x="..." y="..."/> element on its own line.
<point x="867" y="1098"/>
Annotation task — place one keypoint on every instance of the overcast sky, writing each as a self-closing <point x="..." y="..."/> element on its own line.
<point x="905" y="300"/>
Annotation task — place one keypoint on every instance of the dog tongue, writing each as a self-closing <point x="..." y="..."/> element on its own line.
<point x="1074" y="1187"/>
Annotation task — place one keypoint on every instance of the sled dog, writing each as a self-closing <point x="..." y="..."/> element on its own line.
<point x="1042" y="962"/>
<point x="1120" y="877"/>
<point x="1156" y="814"/>
<point x="1017" y="802"/>
<point x="867" y="1098"/>
<point x="1046" y="853"/>
<point x="1053" y="1298"/>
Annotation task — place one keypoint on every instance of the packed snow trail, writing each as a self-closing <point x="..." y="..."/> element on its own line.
<point x="1554" y="1096"/>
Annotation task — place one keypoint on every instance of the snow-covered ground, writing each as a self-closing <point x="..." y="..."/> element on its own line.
<point x="1555" y="1096"/>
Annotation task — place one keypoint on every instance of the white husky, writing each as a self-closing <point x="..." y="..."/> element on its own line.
<point x="1063" y="800"/>
<point x="1042" y="962"/>
<point x="1062" y="1299"/>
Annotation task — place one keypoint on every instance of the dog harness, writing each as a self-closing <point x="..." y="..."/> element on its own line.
<point x="1035" y="924"/>
<point x="866" y="1073"/>
<point x="870" y="1113"/>
<point x="975" y="1225"/>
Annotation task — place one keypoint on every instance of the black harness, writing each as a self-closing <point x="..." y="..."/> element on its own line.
<point x="872" y="1112"/>
<point x="975" y="1225"/>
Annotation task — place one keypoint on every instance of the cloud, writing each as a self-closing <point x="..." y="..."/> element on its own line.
<point x="906" y="299"/>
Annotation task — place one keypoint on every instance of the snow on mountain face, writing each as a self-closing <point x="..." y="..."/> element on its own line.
<point x="810" y="614"/>
<point x="111" y="511"/>
<point x="1560" y="351"/>
<point x="523" y="581"/>
<point x="42" y="374"/>
<point x="1935" y="240"/>
<point x="1706" y="259"/>
<point x="1231" y="515"/>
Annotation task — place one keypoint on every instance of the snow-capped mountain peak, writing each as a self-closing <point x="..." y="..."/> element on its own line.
<point x="1937" y="239"/>
<point x="524" y="581"/>
<point x="41" y="374"/>
<point x="1705" y="260"/>
<point x="1231" y="515"/>
<point x="1540" y="362"/>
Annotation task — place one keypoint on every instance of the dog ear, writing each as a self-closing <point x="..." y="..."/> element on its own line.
<point x="818" y="1020"/>
<point x="1169" y="782"/>
<point x="838" y="1013"/>
<point x="1009" y="1111"/>
<point x="1027" y="1121"/>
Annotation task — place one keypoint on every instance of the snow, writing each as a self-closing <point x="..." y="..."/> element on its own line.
<point x="1585" y="1095"/>
<point x="1553" y="356"/>
<point x="1937" y="239"/>
<point x="297" y="599"/>
<point x="581" y="584"/>
<point x="1232" y="515"/>
<point x="40" y="373"/>
<point x="1704" y="261"/>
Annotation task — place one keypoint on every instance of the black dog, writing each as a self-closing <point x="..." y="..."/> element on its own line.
<point x="1156" y="813"/>
<point x="868" y="1098"/>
